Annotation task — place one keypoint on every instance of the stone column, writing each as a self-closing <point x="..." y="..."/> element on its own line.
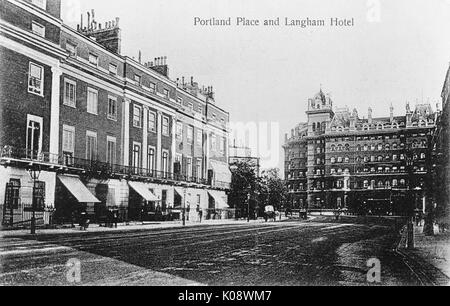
<point x="145" y="138"/>
<point x="54" y="113"/>
<point x="174" y="143"/>
<point x="126" y="132"/>
<point x="159" y="143"/>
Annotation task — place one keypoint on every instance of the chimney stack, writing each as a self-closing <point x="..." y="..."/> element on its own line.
<point x="370" y="115"/>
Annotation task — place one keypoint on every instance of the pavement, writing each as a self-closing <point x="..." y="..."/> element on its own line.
<point x="430" y="258"/>
<point x="322" y="251"/>
<point x="130" y="226"/>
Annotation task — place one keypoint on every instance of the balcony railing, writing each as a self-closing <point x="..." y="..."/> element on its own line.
<point x="100" y="169"/>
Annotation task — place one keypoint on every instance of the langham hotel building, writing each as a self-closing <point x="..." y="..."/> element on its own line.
<point x="368" y="165"/>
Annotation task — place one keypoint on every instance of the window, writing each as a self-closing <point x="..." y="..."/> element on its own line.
<point x="68" y="140"/>
<point x="179" y="134"/>
<point x="34" y="136"/>
<point x="223" y="145"/>
<point x="151" y="159"/>
<point x="92" y="101"/>
<point x="165" y="126"/>
<point x="137" y="79"/>
<point x="93" y="59"/>
<point x="137" y="116"/>
<point x="394" y="183"/>
<point x="70" y="89"/>
<point x="36" y="79"/>
<point x="199" y="137"/>
<point x="166" y="93"/>
<point x="152" y="121"/>
<point x="213" y="142"/>
<point x="40" y="3"/>
<point x="153" y="87"/>
<point x="71" y="48"/>
<point x="91" y="145"/>
<point x="112" y="108"/>
<point x="190" y="134"/>
<point x="136" y="156"/>
<point x="113" y="69"/>
<point x="38" y="29"/>
<point x="180" y="100"/>
<point x="402" y="182"/>
<point x="165" y="162"/>
<point x="111" y="150"/>
<point x="366" y="184"/>
<point x="189" y="166"/>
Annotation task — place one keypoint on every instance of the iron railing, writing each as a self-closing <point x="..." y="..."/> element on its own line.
<point x="97" y="168"/>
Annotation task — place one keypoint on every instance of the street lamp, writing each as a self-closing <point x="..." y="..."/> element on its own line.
<point x="34" y="174"/>
<point x="410" y="224"/>
<point x="248" y="207"/>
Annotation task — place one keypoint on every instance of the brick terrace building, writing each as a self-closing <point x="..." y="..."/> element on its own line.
<point x="379" y="165"/>
<point x="105" y="130"/>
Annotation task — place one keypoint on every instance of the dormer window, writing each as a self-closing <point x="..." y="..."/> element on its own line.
<point x="71" y="48"/>
<point x="166" y="93"/>
<point x="93" y="59"/>
<point x="38" y="29"/>
<point x="138" y="79"/>
<point x="113" y="69"/>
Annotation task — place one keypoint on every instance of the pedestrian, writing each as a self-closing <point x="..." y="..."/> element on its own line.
<point x="200" y="215"/>
<point x="116" y="217"/>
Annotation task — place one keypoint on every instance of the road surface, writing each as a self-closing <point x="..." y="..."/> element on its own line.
<point x="318" y="252"/>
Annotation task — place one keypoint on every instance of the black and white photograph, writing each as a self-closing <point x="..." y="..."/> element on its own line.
<point x="241" y="144"/>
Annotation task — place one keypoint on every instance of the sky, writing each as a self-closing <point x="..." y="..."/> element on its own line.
<point x="397" y="51"/>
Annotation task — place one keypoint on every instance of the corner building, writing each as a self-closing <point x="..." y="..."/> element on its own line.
<point x="368" y="165"/>
<point x="106" y="131"/>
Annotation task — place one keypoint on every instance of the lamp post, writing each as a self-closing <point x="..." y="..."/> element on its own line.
<point x="34" y="174"/>
<point x="184" y="208"/>
<point x="410" y="224"/>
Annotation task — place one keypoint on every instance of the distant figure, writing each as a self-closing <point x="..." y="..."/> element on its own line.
<point x="200" y="215"/>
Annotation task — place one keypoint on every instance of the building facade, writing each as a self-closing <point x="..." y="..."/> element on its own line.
<point x="105" y="130"/>
<point x="441" y="174"/>
<point x="376" y="165"/>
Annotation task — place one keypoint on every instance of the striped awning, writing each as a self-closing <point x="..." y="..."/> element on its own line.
<point x="77" y="189"/>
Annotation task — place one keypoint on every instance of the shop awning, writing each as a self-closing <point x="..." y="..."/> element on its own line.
<point x="222" y="171"/>
<point x="143" y="191"/>
<point x="77" y="189"/>
<point x="218" y="199"/>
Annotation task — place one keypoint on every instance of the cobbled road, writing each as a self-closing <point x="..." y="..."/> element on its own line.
<point x="318" y="252"/>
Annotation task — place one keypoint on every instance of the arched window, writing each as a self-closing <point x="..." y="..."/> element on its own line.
<point x="366" y="184"/>
<point x="366" y="148"/>
<point x="339" y="147"/>
<point x="314" y="127"/>
<point x="347" y="160"/>
<point x="394" y="183"/>
<point x="387" y="147"/>
<point x="358" y="148"/>
<point x="380" y="184"/>
<point x="380" y="158"/>
<point x="380" y="147"/>
<point x="347" y="147"/>
<point x="318" y="126"/>
<point x="387" y="184"/>
<point x="402" y="182"/>
<point x="423" y="156"/>
<point x="394" y="146"/>
<point x="333" y="148"/>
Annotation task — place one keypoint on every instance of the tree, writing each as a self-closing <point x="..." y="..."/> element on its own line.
<point x="244" y="182"/>
<point x="273" y="190"/>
